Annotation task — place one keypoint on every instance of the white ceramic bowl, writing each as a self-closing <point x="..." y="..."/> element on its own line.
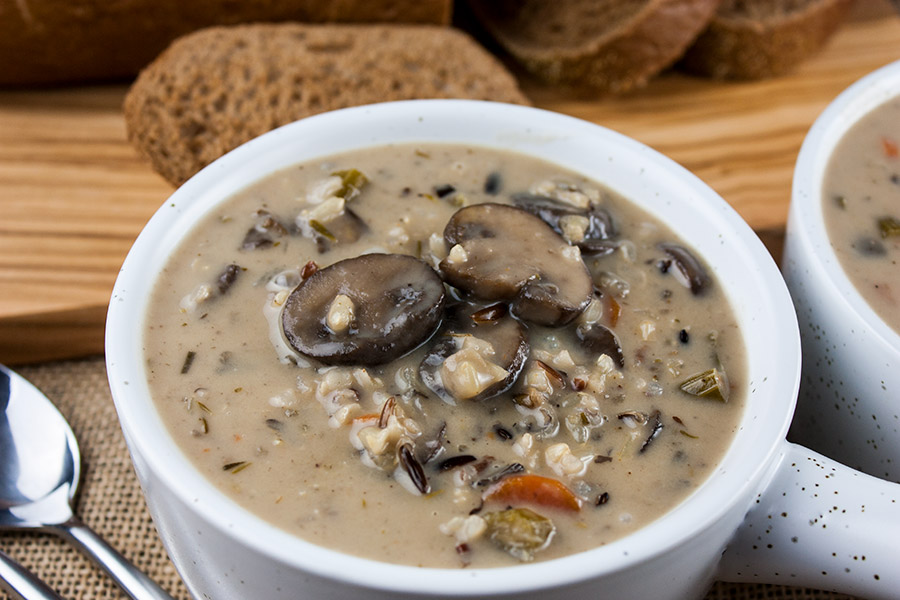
<point x="224" y="552"/>
<point x="849" y="406"/>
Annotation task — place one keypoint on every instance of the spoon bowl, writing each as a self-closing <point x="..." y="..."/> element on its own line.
<point x="39" y="475"/>
<point x="41" y="463"/>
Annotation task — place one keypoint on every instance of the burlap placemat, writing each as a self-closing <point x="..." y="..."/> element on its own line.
<point x="110" y="501"/>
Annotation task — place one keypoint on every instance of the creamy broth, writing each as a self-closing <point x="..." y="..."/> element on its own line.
<point x="861" y="201"/>
<point x="611" y="419"/>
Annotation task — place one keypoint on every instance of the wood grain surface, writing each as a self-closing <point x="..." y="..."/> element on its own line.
<point x="74" y="193"/>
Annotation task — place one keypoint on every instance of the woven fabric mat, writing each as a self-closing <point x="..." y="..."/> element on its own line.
<point x="110" y="501"/>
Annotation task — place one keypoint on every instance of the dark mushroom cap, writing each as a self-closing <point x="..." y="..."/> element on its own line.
<point x="598" y="339"/>
<point x="397" y="301"/>
<point x="600" y="228"/>
<point x="692" y="271"/>
<point x="506" y="335"/>
<point x="513" y="255"/>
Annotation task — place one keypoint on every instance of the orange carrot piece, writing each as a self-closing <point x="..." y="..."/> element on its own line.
<point x="533" y="489"/>
<point x="890" y="148"/>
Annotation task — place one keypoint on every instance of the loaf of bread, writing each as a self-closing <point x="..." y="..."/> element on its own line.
<point x="612" y="45"/>
<point x="763" y="38"/>
<point x="53" y="41"/>
<point x="214" y="89"/>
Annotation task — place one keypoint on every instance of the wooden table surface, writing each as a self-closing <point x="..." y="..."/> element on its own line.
<point x="74" y="193"/>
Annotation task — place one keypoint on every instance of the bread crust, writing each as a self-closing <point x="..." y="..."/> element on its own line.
<point x="217" y="88"/>
<point x="60" y="41"/>
<point x="735" y="47"/>
<point x="644" y="42"/>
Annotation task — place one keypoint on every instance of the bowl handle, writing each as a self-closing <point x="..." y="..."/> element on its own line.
<point x="819" y="524"/>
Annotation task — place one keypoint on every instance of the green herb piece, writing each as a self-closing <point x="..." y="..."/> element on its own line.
<point x="203" y="407"/>
<point x="889" y="226"/>
<point x="322" y="230"/>
<point x="204" y="427"/>
<point x="460" y="201"/>
<point x="841" y="202"/>
<point x="710" y="384"/>
<point x="352" y="183"/>
<point x="686" y="434"/>
<point x="237" y="467"/>
<point x="188" y="361"/>
<point x="519" y="531"/>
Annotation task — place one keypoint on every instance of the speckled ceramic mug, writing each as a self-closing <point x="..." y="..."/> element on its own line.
<point x="771" y="511"/>
<point x="849" y="405"/>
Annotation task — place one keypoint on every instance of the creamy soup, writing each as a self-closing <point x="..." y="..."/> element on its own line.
<point x="444" y="356"/>
<point x="861" y="201"/>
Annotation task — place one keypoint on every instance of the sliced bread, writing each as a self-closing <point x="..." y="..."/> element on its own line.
<point x="763" y="38"/>
<point x="52" y="41"/>
<point x="216" y="88"/>
<point x="612" y="45"/>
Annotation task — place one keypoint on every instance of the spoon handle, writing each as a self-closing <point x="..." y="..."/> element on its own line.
<point x="22" y="584"/>
<point x="132" y="581"/>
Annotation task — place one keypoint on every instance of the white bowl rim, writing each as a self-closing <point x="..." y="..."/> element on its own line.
<point x="734" y="482"/>
<point x="807" y="219"/>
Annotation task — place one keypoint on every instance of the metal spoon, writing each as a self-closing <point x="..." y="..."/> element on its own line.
<point x="39" y="471"/>
<point x="21" y="584"/>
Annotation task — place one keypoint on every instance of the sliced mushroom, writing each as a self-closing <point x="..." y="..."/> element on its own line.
<point x="500" y="252"/>
<point x="505" y="335"/>
<point x="264" y="232"/>
<point x="690" y="270"/>
<point x="366" y="310"/>
<point x="596" y="223"/>
<point x="345" y="228"/>
<point x="598" y="339"/>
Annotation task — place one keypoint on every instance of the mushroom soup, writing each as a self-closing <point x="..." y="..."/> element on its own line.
<point x="444" y="356"/>
<point x="861" y="202"/>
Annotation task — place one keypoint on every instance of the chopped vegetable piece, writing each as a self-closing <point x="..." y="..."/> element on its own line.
<point x="352" y="183"/>
<point x="602" y="499"/>
<point x="263" y="232"/>
<point x="889" y="226"/>
<point x="534" y="489"/>
<point x="709" y="384"/>
<point x="493" y="184"/>
<point x="188" y="361"/>
<point x="309" y="269"/>
<point x="443" y="191"/>
<point x="869" y="247"/>
<point x="490" y="314"/>
<point x="689" y="267"/>
<point x="227" y="278"/>
<point x="598" y="340"/>
<point x="519" y="531"/>
<point x="322" y="230"/>
<point x="236" y="467"/>
<point x="889" y="147"/>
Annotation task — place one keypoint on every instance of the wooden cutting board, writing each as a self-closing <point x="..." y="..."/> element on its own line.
<point x="74" y="194"/>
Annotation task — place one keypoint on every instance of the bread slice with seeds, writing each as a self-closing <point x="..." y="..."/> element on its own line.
<point x="59" y="41"/>
<point x="214" y="89"/>
<point x="612" y="45"/>
<point x="763" y="38"/>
